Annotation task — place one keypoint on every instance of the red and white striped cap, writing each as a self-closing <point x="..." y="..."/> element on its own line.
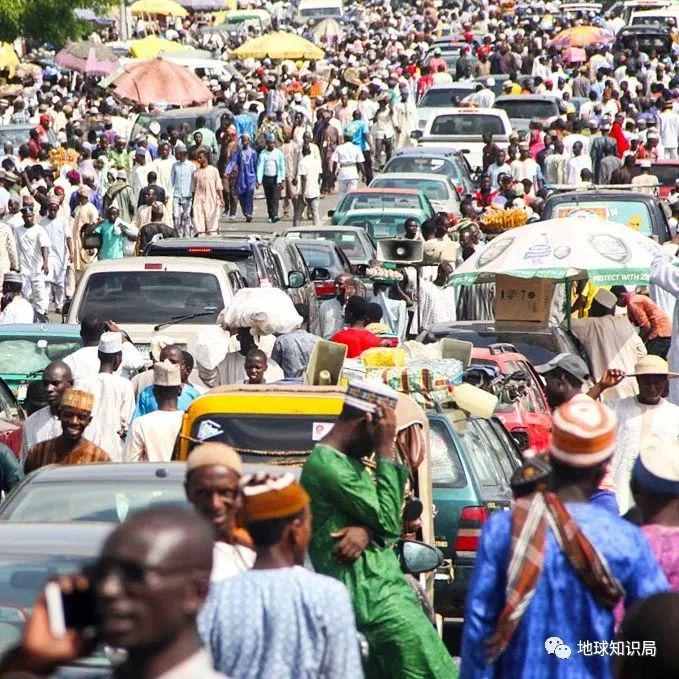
<point x="583" y="432"/>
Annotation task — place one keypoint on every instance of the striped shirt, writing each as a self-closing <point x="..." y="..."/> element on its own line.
<point x="50" y="452"/>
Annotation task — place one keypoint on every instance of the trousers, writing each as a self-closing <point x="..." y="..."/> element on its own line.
<point x="272" y="193"/>
<point x="36" y="292"/>
<point x="246" y="200"/>
<point x="182" y="216"/>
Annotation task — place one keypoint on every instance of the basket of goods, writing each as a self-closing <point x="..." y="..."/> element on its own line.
<point x="498" y="221"/>
<point x="380" y="274"/>
<point x="60" y="156"/>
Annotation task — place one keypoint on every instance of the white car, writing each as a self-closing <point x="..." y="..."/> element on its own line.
<point x="439" y="97"/>
<point x="463" y="129"/>
<point x="176" y="296"/>
<point x="437" y="187"/>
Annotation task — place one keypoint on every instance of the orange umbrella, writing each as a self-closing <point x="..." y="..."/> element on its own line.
<point x="582" y="36"/>
<point x="161" y="82"/>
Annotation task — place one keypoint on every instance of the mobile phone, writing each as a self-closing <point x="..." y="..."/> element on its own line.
<point x="76" y="610"/>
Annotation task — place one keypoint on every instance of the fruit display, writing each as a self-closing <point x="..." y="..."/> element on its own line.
<point x="61" y="156"/>
<point x="497" y="221"/>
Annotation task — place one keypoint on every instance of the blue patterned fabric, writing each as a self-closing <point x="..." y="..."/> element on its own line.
<point x="562" y="606"/>
<point x="285" y="623"/>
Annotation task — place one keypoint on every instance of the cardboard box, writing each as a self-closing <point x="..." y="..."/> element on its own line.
<point x="523" y="299"/>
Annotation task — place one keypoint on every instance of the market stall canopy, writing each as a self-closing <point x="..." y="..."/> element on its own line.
<point x="8" y="58"/>
<point x="575" y="55"/>
<point x="89" y="58"/>
<point x="151" y="46"/>
<point x="161" y="82"/>
<point x="163" y="7"/>
<point x="578" y="246"/>
<point x="582" y="36"/>
<point x="278" y="45"/>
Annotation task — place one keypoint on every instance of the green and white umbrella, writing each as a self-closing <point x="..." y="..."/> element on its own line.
<point x="569" y="248"/>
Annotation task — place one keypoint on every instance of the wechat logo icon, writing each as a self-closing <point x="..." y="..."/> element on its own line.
<point x="555" y="646"/>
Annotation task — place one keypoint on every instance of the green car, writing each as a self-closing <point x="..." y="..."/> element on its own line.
<point x="372" y="201"/>
<point x="472" y="461"/>
<point x="27" y="348"/>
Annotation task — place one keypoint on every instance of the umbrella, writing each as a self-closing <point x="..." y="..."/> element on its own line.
<point x="151" y="46"/>
<point x="8" y="58"/>
<point x="87" y="57"/>
<point x="578" y="246"/>
<point x="161" y="82"/>
<point x="278" y="45"/>
<point x="163" y="7"/>
<point x="575" y="55"/>
<point x="582" y="36"/>
<point x="328" y="29"/>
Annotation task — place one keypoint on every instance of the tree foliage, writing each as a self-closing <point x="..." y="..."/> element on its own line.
<point x="51" y="21"/>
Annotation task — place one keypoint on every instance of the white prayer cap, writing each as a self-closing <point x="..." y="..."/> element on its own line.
<point x="111" y="343"/>
<point x="166" y="374"/>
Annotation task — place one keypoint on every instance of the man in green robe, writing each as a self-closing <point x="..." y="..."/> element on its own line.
<point x="365" y="511"/>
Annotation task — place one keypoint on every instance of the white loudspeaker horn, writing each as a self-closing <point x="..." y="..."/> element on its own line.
<point x="325" y="363"/>
<point x="400" y="250"/>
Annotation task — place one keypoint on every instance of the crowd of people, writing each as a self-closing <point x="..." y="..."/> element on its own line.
<point x="587" y="552"/>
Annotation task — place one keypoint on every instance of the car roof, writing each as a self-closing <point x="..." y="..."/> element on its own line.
<point x="423" y="152"/>
<point x="458" y="110"/>
<point x="324" y="229"/>
<point x="526" y="97"/>
<point x="72" y="539"/>
<point x="460" y="84"/>
<point x="214" y="243"/>
<point x="407" y="192"/>
<point x="30" y="329"/>
<point x="386" y="210"/>
<point x="490" y="327"/>
<point x="115" y="471"/>
<point x="605" y="194"/>
<point x="176" y="263"/>
<point x="412" y="175"/>
<point x="498" y="357"/>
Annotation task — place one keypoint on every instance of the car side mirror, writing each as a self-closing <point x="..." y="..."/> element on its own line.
<point x="418" y="557"/>
<point x="320" y="273"/>
<point x="416" y="134"/>
<point x="296" y="279"/>
<point x="331" y="213"/>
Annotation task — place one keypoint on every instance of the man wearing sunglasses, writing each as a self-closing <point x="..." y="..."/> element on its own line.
<point x="149" y="583"/>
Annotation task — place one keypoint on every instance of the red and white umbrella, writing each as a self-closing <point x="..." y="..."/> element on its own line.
<point x="161" y="82"/>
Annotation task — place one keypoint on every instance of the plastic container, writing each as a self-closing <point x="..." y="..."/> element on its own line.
<point x="475" y="401"/>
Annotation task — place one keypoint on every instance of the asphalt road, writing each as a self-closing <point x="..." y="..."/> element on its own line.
<point x="260" y="222"/>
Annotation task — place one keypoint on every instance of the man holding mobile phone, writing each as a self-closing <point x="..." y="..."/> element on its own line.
<point x="149" y="584"/>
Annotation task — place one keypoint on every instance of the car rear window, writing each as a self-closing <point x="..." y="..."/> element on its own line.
<point x="435" y="98"/>
<point x="634" y="214"/>
<point x="348" y="241"/>
<point x="463" y="124"/>
<point x="152" y="296"/>
<point x="423" y="166"/>
<point x="316" y="256"/>
<point x="528" y="109"/>
<point x="446" y="468"/>
<point x="367" y="201"/>
<point x="435" y="190"/>
<point x="381" y="226"/>
<point x="488" y="471"/>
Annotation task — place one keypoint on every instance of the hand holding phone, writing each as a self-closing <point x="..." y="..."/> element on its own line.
<point x="70" y="605"/>
<point x="44" y="648"/>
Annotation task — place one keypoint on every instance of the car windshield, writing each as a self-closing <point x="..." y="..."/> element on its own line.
<point x="318" y="256"/>
<point x="435" y="190"/>
<point x="151" y="296"/>
<point x="423" y="166"/>
<point x="529" y="109"/>
<point x="95" y="501"/>
<point x="286" y="439"/>
<point x="467" y="125"/>
<point x="435" y="98"/>
<point x="349" y="242"/>
<point x="23" y="355"/>
<point x="634" y="214"/>
<point x="378" y="201"/>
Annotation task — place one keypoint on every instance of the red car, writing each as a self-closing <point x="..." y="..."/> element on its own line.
<point x="527" y="416"/>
